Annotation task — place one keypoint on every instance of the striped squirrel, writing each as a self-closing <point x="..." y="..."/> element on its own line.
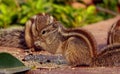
<point x="12" y="37"/>
<point x="114" y="33"/>
<point x="78" y="46"/>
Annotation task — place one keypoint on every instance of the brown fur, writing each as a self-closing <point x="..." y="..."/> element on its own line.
<point x="13" y="37"/>
<point x="114" y="33"/>
<point x="78" y="46"/>
<point x="76" y="52"/>
<point x="110" y="56"/>
<point x="32" y="28"/>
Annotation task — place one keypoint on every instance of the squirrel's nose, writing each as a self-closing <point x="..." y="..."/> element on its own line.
<point x="37" y="43"/>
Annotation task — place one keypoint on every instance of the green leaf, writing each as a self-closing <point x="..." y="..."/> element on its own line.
<point x="9" y="61"/>
<point x="10" y="64"/>
<point x="3" y="8"/>
<point x="91" y="9"/>
<point x="23" y="20"/>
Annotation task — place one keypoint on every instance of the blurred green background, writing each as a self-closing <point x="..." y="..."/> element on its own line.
<point x="72" y="13"/>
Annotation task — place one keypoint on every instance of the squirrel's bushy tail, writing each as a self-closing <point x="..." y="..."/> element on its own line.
<point x="13" y="37"/>
<point x="110" y="56"/>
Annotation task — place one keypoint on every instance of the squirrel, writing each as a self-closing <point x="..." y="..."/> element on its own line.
<point x="13" y="37"/>
<point x="109" y="57"/>
<point x="32" y="29"/>
<point x="78" y="46"/>
<point x="114" y="33"/>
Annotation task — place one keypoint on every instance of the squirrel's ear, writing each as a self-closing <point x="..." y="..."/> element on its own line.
<point x="28" y="34"/>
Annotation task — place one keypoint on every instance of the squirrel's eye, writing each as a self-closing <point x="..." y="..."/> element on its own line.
<point x="43" y="32"/>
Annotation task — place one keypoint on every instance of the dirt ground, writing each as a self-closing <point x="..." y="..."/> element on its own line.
<point x="99" y="30"/>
